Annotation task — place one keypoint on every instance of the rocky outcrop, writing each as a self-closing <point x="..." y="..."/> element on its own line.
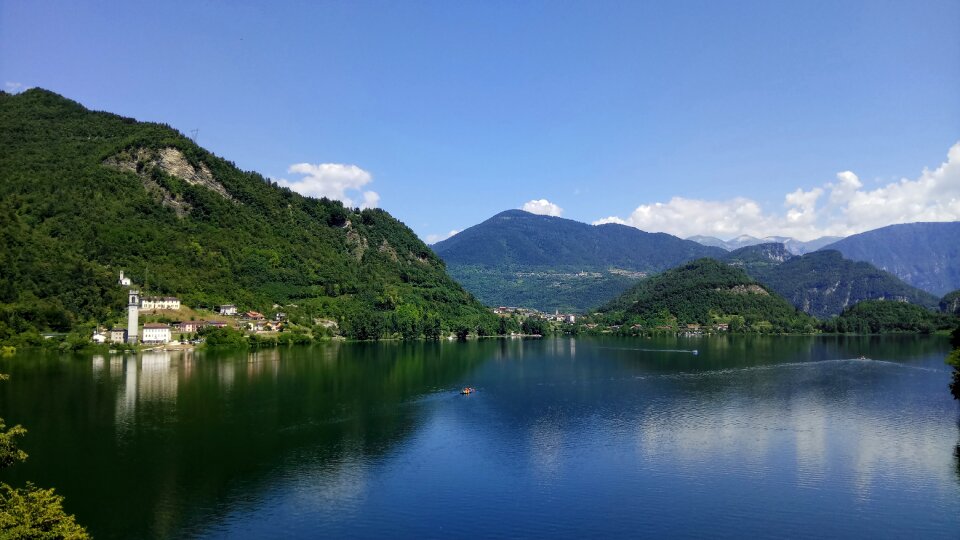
<point x="145" y="163"/>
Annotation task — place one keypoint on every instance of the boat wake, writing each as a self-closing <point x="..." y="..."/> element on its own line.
<point x="800" y="365"/>
<point x="687" y="351"/>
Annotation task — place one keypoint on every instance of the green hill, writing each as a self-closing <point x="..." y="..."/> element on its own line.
<point x="823" y="283"/>
<point x="517" y="258"/>
<point x="86" y="194"/>
<point x="706" y="291"/>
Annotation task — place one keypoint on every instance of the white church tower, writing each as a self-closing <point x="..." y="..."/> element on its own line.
<point x="133" y="316"/>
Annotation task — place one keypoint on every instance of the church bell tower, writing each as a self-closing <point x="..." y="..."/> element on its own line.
<point x="133" y="316"/>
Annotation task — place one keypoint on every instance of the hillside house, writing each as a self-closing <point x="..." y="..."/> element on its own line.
<point x="214" y="324"/>
<point x="160" y="302"/>
<point x="156" y="333"/>
<point x="186" y="327"/>
<point x="117" y="335"/>
<point x="227" y="309"/>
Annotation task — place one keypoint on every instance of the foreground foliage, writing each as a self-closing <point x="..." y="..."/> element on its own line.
<point x="36" y="513"/>
<point x="30" y="512"/>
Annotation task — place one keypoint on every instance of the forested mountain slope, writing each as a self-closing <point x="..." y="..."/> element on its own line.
<point x="823" y="283"/>
<point x="85" y="194"/>
<point x="925" y="255"/>
<point x="523" y="259"/>
<point x="706" y="291"/>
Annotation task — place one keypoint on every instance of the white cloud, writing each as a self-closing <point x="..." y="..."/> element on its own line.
<point x="434" y="238"/>
<point x="370" y="199"/>
<point x="847" y="209"/>
<point x="333" y="181"/>
<point x="13" y="87"/>
<point x="542" y="207"/>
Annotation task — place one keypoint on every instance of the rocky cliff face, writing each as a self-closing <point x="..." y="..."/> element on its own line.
<point x="951" y="303"/>
<point x="822" y="283"/>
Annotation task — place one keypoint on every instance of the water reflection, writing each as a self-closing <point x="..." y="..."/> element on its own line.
<point x="371" y="439"/>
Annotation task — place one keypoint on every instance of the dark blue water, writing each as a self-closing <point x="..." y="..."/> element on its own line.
<point x="762" y="437"/>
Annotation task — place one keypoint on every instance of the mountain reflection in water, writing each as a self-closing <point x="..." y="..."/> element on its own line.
<point x="564" y="438"/>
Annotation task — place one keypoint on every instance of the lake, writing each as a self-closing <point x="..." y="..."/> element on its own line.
<point x="768" y="437"/>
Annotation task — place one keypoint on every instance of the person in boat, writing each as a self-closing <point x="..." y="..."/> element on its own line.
<point x="467" y="390"/>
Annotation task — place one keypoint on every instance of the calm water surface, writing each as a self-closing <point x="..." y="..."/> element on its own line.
<point x="767" y="437"/>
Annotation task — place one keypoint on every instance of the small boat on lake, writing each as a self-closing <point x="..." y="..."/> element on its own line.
<point x="468" y="390"/>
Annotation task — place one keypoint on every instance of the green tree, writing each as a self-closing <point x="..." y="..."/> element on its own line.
<point x="432" y="328"/>
<point x="535" y="326"/>
<point x="30" y="512"/>
<point x="462" y="330"/>
<point x="225" y="337"/>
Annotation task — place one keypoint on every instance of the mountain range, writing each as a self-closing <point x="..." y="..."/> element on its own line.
<point x="794" y="246"/>
<point x="925" y="255"/>
<point x="823" y="283"/>
<point x="84" y="195"/>
<point x="521" y="259"/>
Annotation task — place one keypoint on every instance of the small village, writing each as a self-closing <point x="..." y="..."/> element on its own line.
<point x="505" y="311"/>
<point x="573" y="323"/>
<point x="178" y="331"/>
<point x="168" y="323"/>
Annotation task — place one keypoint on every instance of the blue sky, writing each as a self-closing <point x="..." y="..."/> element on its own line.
<point x="736" y="117"/>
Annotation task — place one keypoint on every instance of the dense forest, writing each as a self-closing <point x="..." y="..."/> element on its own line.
<point x="706" y="292"/>
<point x="86" y="194"/>
<point x="883" y="317"/>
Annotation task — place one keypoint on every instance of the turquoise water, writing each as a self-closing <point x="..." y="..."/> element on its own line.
<point x="766" y="437"/>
